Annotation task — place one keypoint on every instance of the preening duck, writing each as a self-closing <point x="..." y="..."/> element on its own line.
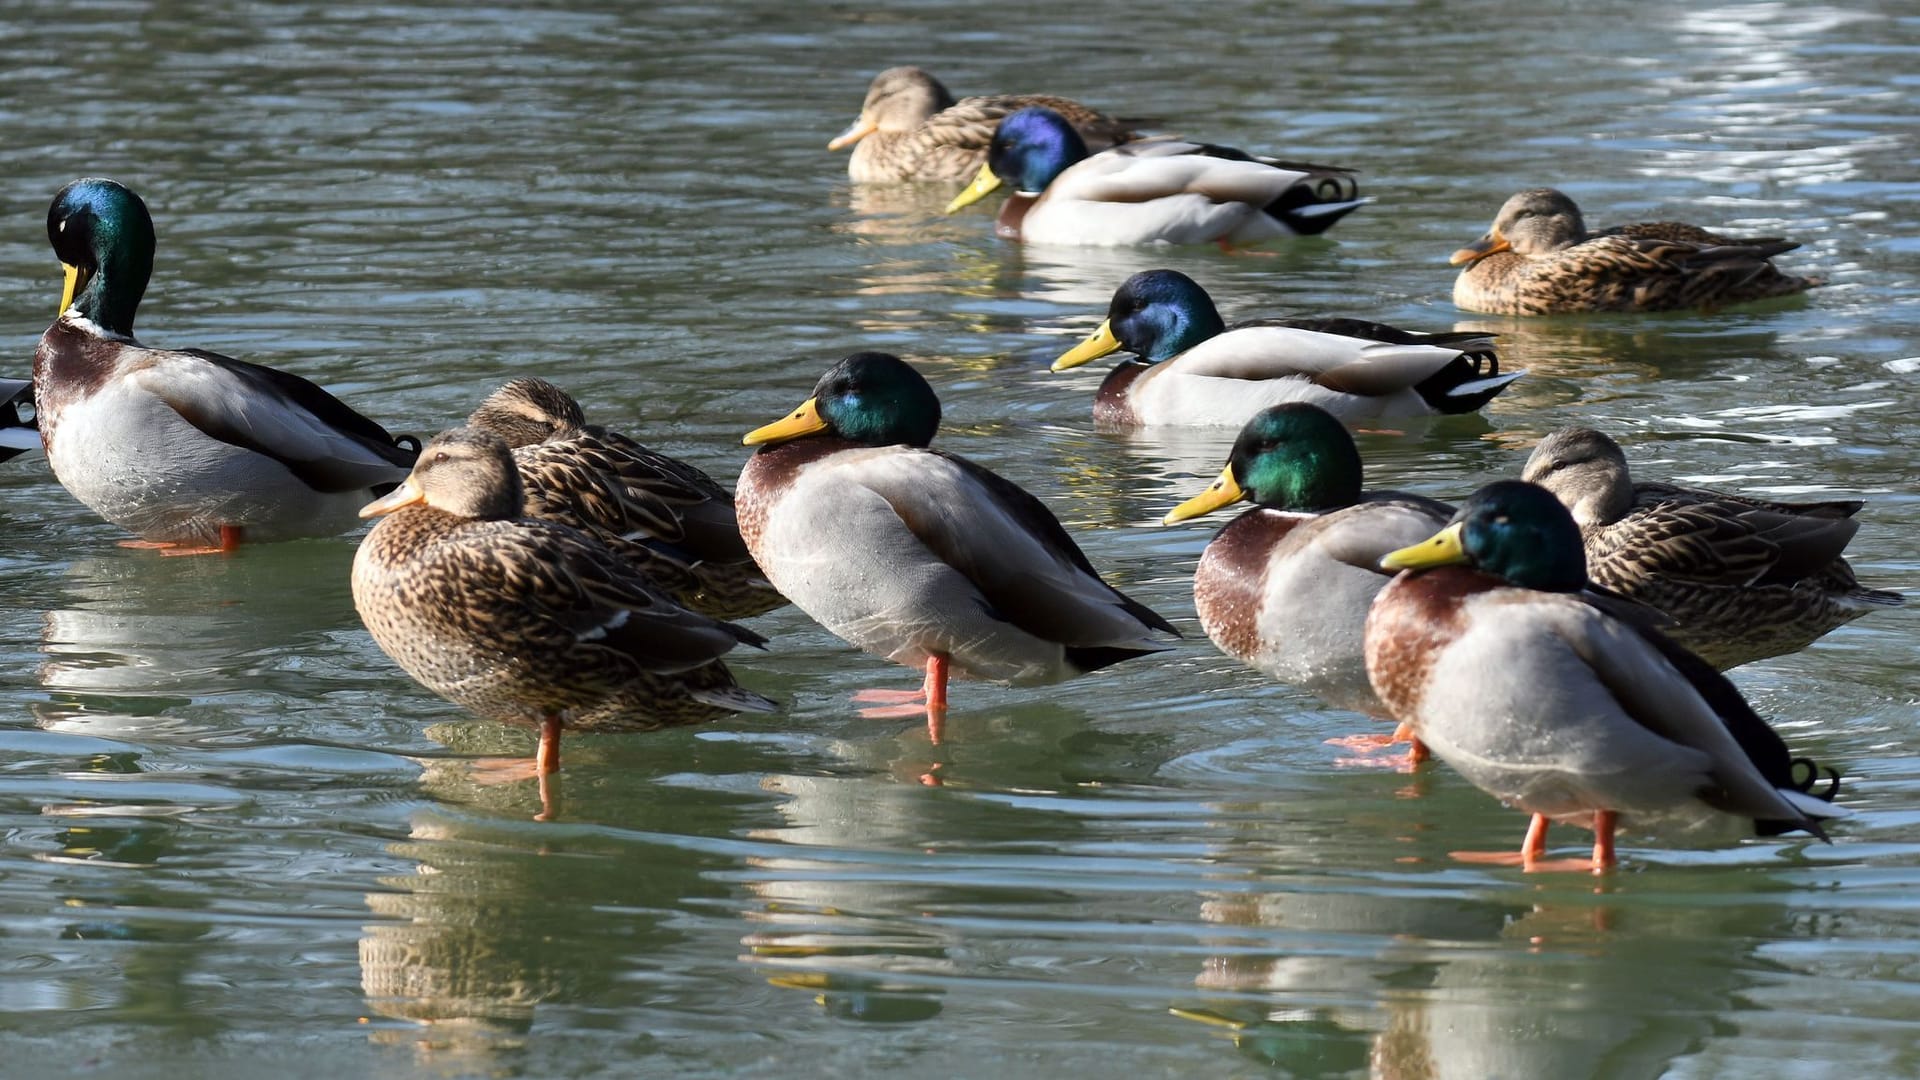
<point x="190" y="450"/>
<point x="671" y="520"/>
<point x="921" y="556"/>
<point x="1152" y="190"/>
<point x="1194" y="369"/>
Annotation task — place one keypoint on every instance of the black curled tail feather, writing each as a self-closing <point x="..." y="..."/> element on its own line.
<point x="1466" y="383"/>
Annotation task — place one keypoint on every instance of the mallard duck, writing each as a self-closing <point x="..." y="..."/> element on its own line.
<point x="911" y="128"/>
<point x="1194" y="369"/>
<point x="190" y="450"/>
<point x="921" y="556"/>
<point x="525" y="621"/>
<point x="17" y="434"/>
<point x="1539" y="259"/>
<point x="1154" y="190"/>
<point x="1742" y="578"/>
<point x="1553" y="700"/>
<point x="665" y="516"/>
<point x="1285" y="587"/>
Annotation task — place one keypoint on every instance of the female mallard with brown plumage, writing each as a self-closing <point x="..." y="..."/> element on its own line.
<point x="1539" y="259"/>
<point x="530" y="622"/>
<point x="668" y="518"/>
<point x="1742" y="578"/>
<point x="1285" y="587"/>
<point x="1562" y="703"/>
<point x="911" y="128"/>
<point x="921" y="556"/>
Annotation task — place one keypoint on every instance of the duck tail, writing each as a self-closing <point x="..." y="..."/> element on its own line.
<point x="734" y="698"/>
<point x="1463" y="386"/>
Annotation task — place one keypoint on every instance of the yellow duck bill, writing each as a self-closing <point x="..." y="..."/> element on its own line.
<point x="804" y="420"/>
<point x="1099" y="344"/>
<point x="1224" y="491"/>
<point x="1444" y="548"/>
<point x="984" y="182"/>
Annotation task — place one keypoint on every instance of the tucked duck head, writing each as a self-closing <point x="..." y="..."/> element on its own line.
<point x="1029" y="149"/>
<point x="1511" y="529"/>
<point x="1157" y="314"/>
<point x="870" y="398"/>
<point x="1586" y="471"/>
<point x="526" y="411"/>
<point x="463" y="472"/>
<point x="899" y="99"/>
<point x="1289" y="457"/>
<point x="1536" y="222"/>
<point x="103" y="236"/>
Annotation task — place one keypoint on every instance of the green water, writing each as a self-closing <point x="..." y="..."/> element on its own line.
<point x="240" y="843"/>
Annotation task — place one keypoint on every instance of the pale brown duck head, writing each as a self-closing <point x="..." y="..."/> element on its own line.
<point x="1586" y="471"/>
<point x="528" y="410"/>
<point x="899" y="99"/>
<point x="1536" y="222"/>
<point x="463" y="472"/>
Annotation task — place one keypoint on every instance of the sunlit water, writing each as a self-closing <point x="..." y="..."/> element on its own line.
<point x="240" y="841"/>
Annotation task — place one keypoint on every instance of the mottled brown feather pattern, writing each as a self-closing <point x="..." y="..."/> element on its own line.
<point x="1555" y="265"/>
<point x="520" y="620"/>
<point x="1412" y="620"/>
<point x="1230" y="582"/>
<point x="669" y="519"/>
<point x="952" y="144"/>
<point x="1741" y="578"/>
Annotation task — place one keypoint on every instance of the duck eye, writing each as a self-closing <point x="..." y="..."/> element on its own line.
<point x="440" y="458"/>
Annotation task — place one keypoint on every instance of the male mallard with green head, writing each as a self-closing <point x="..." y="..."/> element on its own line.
<point x="1560" y="702"/>
<point x="1742" y="578"/>
<point x="1193" y="369"/>
<point x="1285" y="587"/>
<point x="669" y="519"/>
<point x="1539" y="259"/>
<point x="1151" y="191"/>
<point x="191" y="450"/>
<point x="921" y="556"/>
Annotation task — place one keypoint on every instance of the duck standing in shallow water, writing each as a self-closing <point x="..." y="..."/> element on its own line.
<point x="672" y="521"/>
<point x="911" y="128"/>
<point x="921" y="556"/>
<point x="190" y="450"/>
<point x="1195" y="370"/>
<point x="1742" y="578"/>
<point x="1284" y="588"/>
<point x="1151" y="191"/>
<point x="1560" y="702"/>
<point x="1539" y="259"/>
<point x="529" y="622"/>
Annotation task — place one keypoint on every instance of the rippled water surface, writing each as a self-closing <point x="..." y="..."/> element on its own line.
<point x="239" y="841"/>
